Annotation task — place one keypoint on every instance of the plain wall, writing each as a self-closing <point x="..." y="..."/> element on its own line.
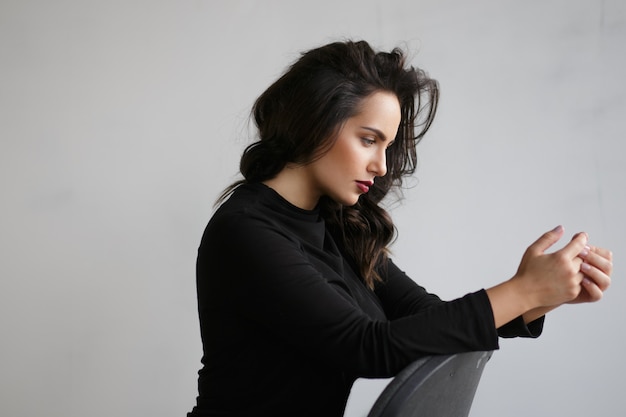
<point x="121" y="121"/>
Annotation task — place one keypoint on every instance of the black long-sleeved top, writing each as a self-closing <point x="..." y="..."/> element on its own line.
<point x="287" y="325"/>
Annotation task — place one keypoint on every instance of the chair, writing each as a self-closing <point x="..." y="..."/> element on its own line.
<point x="435" y="386"/>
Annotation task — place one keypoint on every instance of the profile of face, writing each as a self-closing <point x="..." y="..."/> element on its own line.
<point x="350" y="166"/>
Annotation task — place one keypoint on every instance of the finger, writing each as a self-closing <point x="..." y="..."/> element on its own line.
<point x="578" y="234"/>
<point x="546" y="240"/>
<point x="575" y="246"/>
<point x="605" y="253"/>
<point x="594" y="292"/>
<point x="599" y="278"/>
<point x="596" y="260"/>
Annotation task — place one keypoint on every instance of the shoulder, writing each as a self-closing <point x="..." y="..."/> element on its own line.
<point x="246" y="218"/>
<point x="241" y="212"/>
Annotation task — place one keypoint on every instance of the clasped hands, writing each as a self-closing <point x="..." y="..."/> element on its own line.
<point x="577" y="273"/>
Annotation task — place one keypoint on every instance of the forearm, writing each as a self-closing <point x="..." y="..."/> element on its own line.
<point x="508" y="302"/>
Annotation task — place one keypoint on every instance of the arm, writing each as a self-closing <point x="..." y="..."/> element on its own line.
<point x="401" y="296"/>
<point x="254" y="271"/>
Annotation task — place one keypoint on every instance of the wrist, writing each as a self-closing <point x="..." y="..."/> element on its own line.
<point x="526" y="295"/>
<point x="509" y="300"/>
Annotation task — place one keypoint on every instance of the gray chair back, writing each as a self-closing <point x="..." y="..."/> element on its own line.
<point x="434" y="386"/>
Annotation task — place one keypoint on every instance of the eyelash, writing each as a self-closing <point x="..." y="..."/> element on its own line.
<point x="370" y="142"/>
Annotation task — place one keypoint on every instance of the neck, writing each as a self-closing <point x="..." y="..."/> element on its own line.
<point x="291" y="183"/>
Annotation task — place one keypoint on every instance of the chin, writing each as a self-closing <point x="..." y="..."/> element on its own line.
<point x="348" y="202"/>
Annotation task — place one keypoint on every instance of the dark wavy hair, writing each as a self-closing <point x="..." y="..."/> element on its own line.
<point x="298" y="119"/>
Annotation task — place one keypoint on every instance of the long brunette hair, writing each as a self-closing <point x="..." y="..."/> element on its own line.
<point x="298" y="118"/>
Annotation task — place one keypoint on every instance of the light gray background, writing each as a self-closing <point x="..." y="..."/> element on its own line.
<point x="121" y="121"/>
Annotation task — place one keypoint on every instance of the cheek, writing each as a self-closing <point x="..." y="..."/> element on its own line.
<point x="345" y="159"/>
<point x="347" y="155"/>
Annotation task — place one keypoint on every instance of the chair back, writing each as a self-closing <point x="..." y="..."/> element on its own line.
<point x="434" y="386"/>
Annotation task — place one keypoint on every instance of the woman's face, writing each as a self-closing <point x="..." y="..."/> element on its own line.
<point x="348" y="169"/>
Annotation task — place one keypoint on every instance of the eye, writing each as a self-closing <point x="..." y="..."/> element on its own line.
<point x="368" y="141"/>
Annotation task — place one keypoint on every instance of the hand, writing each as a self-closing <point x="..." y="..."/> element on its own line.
<point x="553" y="279"/>
<point x="597" y="267"/>
<point x="577" y="273"/>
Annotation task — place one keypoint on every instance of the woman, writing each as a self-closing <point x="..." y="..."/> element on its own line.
<point x="297" y="295"/>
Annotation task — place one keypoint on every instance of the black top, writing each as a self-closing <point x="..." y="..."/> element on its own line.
<point x="287" y="325"/>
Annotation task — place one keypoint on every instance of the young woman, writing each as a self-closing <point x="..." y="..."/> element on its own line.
<point x="297" y="295"/>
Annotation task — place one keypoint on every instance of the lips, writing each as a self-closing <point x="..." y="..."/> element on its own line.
<point x="364" y="186"/>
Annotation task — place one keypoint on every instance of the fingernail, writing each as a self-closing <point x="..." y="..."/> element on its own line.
<point x="585" y="266"/>
<point x="586" y="281"/>
<point x="585" y="251"/>
<point x="557" y="229"/>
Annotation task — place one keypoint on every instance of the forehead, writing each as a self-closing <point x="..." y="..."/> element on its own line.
<point x="381" y="110"/>
<point x="380" y="101"/>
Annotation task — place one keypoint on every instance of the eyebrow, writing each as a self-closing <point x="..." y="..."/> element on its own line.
<point x="377" y="132"/>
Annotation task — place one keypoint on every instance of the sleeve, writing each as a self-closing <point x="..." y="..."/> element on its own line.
<point x="401" y="296"/>
<point x="517" y="328"/>
<point x="267" y="278"/>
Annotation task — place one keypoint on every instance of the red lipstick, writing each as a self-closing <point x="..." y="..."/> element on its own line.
<point x="364" y="186"/>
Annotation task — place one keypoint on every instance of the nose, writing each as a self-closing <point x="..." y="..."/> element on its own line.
<point x="378" y="164"/>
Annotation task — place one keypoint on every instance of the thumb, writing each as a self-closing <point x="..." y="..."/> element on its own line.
<point x="546" y="240"/>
